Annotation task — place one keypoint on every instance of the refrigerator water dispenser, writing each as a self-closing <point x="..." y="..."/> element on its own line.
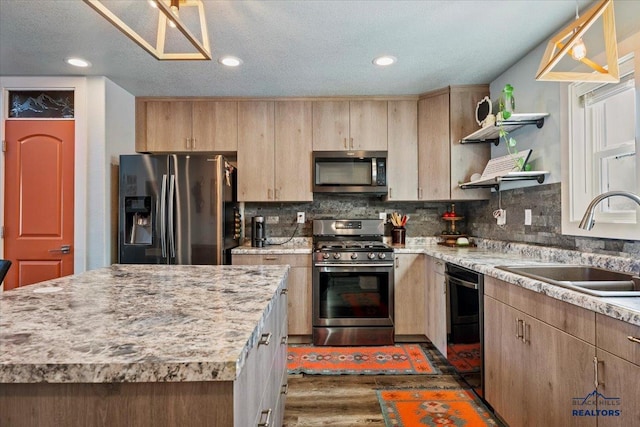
<point x="138" y="220"/>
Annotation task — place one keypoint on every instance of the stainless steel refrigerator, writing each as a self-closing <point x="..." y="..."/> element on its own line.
<point x="177" y="209"/>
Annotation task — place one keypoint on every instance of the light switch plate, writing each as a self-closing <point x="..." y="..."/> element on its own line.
<point x="527" y="217"/>
<point x="382" y="215"/>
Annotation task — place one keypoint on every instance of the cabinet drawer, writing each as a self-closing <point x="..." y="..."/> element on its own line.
<point x="613" y="335"/>
<point x="569" y="318"/>
<point x="303" y="260"/>
<point x="253" y="383"/>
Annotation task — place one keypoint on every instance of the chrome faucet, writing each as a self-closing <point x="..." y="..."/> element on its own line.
<point x="588" y="221"/>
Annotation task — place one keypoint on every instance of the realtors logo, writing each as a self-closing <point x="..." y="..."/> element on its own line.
<point x="596" y="404"/>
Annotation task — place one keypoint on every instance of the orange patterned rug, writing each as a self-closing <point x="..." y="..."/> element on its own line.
<point x="400" y="359"/>
<point x="464" y="357"/>
<point x="433" y="407"/>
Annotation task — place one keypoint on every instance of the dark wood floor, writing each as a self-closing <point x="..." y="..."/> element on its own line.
<point x="350" y="400"/>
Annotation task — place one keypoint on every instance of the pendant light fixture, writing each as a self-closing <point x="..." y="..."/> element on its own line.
<point x="168" y="15"/>
<point x="557" y="48"/>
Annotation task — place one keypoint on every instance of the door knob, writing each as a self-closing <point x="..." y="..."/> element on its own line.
<point x="64" y="249"/>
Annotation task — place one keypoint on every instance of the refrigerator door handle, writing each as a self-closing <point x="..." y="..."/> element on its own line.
<point x="172" y="243"/>
<point x="163" y="216"/>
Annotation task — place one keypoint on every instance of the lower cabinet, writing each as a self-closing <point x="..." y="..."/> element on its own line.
<point x="299" y="308"/>
<point x="409" y="296"/>
<point x="548" y="362"/>
<point x="618" y="358"/>
<point x="436" y="304"/>
<point x="258" y="394"/>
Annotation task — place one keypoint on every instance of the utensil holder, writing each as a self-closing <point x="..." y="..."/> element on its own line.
<point x="398" y="235"/>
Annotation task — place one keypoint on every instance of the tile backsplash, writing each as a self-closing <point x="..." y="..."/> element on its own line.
<point x="425" y="218"/>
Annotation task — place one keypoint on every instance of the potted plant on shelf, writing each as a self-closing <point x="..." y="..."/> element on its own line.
<point x="507" y="106"/>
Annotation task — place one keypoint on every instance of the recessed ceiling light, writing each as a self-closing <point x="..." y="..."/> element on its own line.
<point x="78" y="62"/>
<point x="385" y="60"/>
<point x="230" y="61"/>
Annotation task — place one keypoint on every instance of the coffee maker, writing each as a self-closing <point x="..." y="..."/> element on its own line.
<point x="258" y="232"/>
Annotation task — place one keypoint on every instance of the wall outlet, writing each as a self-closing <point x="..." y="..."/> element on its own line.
<point x="382" y="215"/>
<point x="501" y="216"/>
<point x="272" y="219"/>
<point x="300" y="217"/>
<point x="527" y="217"/>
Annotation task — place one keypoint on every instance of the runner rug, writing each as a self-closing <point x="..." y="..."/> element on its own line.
<point x="464" y="357"/>
<point x="433" y="407"/>
<point x="399" y="359"/>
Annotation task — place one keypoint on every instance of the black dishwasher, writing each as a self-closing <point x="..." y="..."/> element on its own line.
<point x="465" y="291"/>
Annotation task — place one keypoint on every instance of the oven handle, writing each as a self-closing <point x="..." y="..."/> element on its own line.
<point x="352" y="265"/>
<point x="456" y="281"/>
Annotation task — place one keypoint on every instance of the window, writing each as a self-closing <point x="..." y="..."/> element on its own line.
<point x="602" y="153"/>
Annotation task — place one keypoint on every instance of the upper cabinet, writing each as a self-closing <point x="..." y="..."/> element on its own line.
<point x="402" y="156"/>
<point x="444" y="116"/>
<point x="186" y="126"/>
<point x="349" y="125"/>
<point x="274" y="151"/>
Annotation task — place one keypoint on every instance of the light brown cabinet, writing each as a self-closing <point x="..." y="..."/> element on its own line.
<point x="299" y="286"/>
<point x="444" y="117"/>
<point x="409" y="295"/>
<point x="538" y="354"/>
<point x="618" y="359"/>
<point x="349" y="125"/>
<point x="402" y="156"/>
<point x="436" y="304"/>
<point x="274" y="151"/>
<point x="186" y="126"/>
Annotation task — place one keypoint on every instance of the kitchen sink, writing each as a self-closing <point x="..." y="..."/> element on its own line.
<point x="590" y="280"/>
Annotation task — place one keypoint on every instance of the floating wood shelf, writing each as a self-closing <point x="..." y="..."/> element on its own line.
<point x="494" y="183"/>
<point x="491" y="134"/>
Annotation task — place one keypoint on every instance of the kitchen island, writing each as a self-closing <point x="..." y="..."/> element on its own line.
<point x="145" y="345"/>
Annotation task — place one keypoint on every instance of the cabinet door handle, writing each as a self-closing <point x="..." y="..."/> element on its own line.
<point x="633" y="339"/>
<point x="276" y="196"/>
<point x="270" y="258"/>
<point x="344" y="141"/>
<point x="397" y="262"/>
<point x="265" y="339"/>
<point x="351" y="143"/>
<point x="284" y="389"/>
<point x="390" y="193"/>
<point x="267" y="419"/>
<point x="519" y="330"/>
<point x="269" y="194"/>
<point x="284" y="291"/>
<point x="596" y="380"/>
<point x="526" y="332"/>
<point x="284" y="340"/>
<point x="419" y="192"/>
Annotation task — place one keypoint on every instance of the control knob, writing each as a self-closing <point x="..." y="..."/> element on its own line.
<point x="354" y="255"/>
<point x="371" y="255"/>
<point x="382" y="255"/>
<point x="336" y="255"/>
<point x="325" y="256"/>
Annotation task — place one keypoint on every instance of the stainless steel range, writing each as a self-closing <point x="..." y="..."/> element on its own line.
<point x="352" y="283"/>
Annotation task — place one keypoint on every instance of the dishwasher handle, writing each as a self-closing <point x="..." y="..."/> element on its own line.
<point x="457" y="281"/>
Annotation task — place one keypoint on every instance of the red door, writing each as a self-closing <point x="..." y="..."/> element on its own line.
<point x="38" y="205"/>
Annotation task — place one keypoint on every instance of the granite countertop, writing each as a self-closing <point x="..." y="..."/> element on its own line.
<point x="276" y="246"/>
<point x="488" y="255"/>
<point x="137" y="323"/>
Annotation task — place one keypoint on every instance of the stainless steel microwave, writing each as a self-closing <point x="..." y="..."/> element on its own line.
<point x="350" y="172"/>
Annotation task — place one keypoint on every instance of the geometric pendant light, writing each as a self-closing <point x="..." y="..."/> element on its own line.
<point x="557" y="49"/>
<point x="168" y="13"/>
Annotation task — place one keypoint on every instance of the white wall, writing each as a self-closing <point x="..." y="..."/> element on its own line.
<point x="111" y="132"/>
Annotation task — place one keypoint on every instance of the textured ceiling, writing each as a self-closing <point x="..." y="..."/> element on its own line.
<point x="297" y="48"/>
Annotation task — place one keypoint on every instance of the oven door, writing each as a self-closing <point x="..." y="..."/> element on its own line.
<point x="352" y="295"/>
